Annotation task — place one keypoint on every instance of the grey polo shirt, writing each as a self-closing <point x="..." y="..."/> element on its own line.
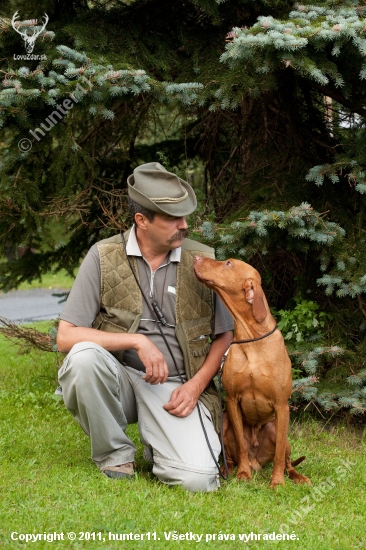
<point x="83" y="303"/>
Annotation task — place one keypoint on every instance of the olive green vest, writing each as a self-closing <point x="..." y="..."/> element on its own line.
<point x="121" y="306"/>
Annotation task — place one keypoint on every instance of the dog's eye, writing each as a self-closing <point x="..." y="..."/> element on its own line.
<point x="228" y="263"/>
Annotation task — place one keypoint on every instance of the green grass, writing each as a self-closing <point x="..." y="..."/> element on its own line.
<point x="49" y="484"/>
<point x="50" y="280"/>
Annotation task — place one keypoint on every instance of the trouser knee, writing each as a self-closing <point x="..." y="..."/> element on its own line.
<point x="191" y="481"/>
<point x="83" y="361"/>
<point x="87" y="364"/>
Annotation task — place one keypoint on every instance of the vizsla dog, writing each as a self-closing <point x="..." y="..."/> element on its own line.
<point x="256" y="374"/>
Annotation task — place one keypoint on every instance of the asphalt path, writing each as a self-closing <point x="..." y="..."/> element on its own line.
<point x="27" y="306"/>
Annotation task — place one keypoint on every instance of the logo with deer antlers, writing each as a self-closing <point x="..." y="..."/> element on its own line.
<point x="29" y="40"/>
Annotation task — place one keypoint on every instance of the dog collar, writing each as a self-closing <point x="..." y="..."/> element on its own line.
<point x="253" y="339"/>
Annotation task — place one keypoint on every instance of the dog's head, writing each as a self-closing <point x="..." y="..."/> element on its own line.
<point x="238" y="284"/>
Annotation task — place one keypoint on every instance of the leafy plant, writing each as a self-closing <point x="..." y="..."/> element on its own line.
<point x="303" y="323"/>
<point x="300" y="326"/>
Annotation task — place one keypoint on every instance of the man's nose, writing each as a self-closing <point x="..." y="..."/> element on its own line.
<point x="182" y="223"/>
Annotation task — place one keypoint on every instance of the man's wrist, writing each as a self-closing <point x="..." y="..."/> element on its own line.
<point x="137" y="341"/>
<point x="199" y="383"/>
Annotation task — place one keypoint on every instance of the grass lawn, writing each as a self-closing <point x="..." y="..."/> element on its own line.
<point x="50" y="485"/>
<point x="51" y="280"/>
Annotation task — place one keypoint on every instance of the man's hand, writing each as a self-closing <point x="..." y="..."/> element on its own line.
<point x="154" y="361"/>
<point x="184" y="399"/>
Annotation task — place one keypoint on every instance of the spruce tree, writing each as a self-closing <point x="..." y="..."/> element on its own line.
<point x="268" y="127"/>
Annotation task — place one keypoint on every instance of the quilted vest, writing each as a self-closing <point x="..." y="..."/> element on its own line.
<point x="121" y="306"/>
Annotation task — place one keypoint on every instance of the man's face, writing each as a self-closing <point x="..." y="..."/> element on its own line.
<point x="166" y="231"/>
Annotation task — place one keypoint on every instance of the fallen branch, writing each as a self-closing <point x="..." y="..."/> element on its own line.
<point x="27" y="338"/>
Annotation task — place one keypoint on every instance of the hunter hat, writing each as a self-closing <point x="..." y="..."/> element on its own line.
<point x="153" y="187"/>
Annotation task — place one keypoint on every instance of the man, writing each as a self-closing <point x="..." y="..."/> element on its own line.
<point x="119" y="369"/>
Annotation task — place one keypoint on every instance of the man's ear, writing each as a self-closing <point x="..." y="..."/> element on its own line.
<point x="140" y="220"/>
<point x="254" y="295"/>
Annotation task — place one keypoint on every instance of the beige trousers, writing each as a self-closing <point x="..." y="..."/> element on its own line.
<point x="105" y="396"/>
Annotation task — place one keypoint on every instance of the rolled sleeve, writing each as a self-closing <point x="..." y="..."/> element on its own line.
<point x="223" y="318"/>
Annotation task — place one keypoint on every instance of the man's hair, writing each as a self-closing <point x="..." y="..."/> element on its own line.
<point x="135" y="208"/>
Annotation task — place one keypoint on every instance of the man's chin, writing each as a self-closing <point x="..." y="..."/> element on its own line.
<point x="176" y="243"/>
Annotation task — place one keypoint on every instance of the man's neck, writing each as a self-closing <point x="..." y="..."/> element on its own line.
<point x="150" y="252"/>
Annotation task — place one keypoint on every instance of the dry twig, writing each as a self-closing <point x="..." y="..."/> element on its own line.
<point x="26" y="338"/>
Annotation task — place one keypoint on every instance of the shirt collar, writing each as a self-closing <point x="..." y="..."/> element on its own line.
<point x="133" y="249"/>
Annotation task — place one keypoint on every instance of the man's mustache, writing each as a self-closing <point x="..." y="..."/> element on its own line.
<point x="179" y="235"/>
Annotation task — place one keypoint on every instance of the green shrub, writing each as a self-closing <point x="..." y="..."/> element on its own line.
<point x="304" y="323"/>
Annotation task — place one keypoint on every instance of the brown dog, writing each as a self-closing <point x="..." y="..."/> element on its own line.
<point x="256" y="375"/>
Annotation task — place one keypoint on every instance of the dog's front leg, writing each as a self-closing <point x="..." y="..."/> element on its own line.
<point x="236" y="419"/>
<point x="282" y="420"/>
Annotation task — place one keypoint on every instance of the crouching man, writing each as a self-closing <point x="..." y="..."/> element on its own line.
<point x="119" y="368"/>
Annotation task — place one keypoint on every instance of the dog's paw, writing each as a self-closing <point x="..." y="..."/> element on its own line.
<point x="275" y="481"/>
<point x="298" y="478"/>
<point x="244" y="474"/>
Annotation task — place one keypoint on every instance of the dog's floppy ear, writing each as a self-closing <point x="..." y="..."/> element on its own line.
<point x="254" y="295"/>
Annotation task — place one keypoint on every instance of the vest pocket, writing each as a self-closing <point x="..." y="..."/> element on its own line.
<point x="198" y="348"/>
<point x="116" y="320"/>
<point x="101" y="323"/>
<point x="199" y="340"/>
<point x="108" y="326"/>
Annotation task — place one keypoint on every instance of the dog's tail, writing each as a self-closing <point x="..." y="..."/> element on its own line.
<point x="297" y="461"/>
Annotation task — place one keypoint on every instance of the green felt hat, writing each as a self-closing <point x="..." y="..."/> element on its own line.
<point x="153" y="187"/>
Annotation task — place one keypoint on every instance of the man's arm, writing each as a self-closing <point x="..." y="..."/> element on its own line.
<point x="156" y="368"/>
<point x="184" y="399"/>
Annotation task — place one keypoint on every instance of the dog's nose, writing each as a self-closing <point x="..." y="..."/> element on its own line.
<point x="197" y="259"/>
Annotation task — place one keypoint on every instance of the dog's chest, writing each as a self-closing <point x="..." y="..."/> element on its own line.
<point x="255" y="363"/>
<point x="256" y="382"/>
<point x="248" y="388"/>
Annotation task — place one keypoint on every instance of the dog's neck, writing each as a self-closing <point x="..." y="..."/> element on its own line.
<point x="246" y="326"/>
<point x="246" y="330"/>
